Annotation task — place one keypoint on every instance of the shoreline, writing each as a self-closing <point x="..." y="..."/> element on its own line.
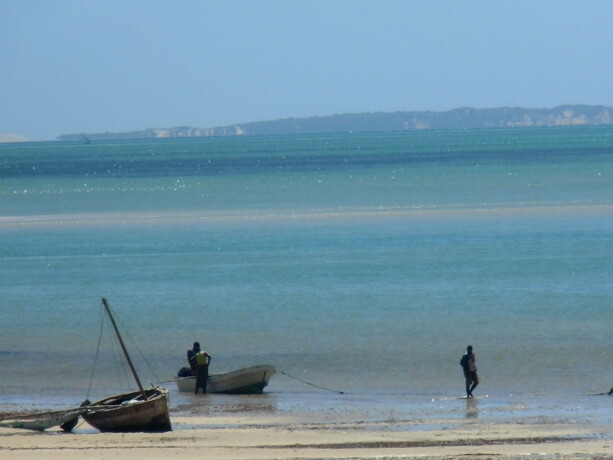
<point x="342" y="427"/>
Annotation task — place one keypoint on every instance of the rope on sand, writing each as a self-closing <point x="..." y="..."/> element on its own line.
<point x="312" y="384"/>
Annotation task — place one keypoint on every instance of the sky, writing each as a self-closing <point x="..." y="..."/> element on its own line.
<point x="73" y="66"/>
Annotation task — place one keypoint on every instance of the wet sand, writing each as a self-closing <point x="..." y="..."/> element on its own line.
<point x="253" y="430"/>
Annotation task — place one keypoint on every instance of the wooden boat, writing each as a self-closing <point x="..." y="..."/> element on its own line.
<point x="142" y="410"/>
<point x="131" y="412"/>
<point x="42" y="420"/>
<point x="248" y="380"/>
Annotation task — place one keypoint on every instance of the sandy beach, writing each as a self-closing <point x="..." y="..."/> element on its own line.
<point x="254" y="431"/>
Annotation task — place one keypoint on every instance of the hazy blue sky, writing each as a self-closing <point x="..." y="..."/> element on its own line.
<point x="96" y="66"/>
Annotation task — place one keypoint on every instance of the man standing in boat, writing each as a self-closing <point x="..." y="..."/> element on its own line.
<point x="469" y="365"/>
<point x="202" y="359"/>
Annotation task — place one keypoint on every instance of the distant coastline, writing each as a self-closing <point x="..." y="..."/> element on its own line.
<point x="460" y="118"/>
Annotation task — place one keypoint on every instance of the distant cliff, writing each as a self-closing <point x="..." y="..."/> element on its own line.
<point x="462" y="118"/>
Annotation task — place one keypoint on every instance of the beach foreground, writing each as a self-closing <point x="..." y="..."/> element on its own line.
<point x="250" y="433"/>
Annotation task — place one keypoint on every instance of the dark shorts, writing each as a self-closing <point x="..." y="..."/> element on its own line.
<point x="471" y="377"/>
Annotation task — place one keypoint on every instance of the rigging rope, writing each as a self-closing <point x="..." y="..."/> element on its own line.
<point x="312" y="384"/>
<point x="127" y="333"/>
<point x="119" y="365"/>
<point x="119" y="361"/>
<point x="91" y="378"/>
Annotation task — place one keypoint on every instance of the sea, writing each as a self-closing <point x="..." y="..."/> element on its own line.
<point x="361" y="265"/>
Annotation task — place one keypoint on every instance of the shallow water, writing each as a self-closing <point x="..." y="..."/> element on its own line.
<point x="360" y="263"/>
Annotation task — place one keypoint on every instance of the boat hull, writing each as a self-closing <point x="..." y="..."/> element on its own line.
<point x="127" y="412"/>
<point x="248" y="380"/>
<point x="44" y="420"/>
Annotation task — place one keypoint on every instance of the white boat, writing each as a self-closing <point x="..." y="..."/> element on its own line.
<point x="139" y="410"/>
<point x="43" y="420"/>
<point x="248" y="380"/>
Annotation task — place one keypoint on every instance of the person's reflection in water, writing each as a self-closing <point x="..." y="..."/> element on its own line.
<point x="472" y="408"/>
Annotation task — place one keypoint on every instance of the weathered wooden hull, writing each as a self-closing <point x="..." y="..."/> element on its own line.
<point x="248" y="380"/>
<point x="43" y="420"/>
<point x="127" y="412"/>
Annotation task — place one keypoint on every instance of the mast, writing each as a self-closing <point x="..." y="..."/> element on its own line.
<point x="123" y="347"/>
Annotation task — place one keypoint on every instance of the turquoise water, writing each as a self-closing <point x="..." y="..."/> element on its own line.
<point x="364" y="263"/>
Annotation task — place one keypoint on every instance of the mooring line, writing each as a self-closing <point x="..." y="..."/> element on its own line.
<point x="280" y="372"/>
<point x="312" y="384"/>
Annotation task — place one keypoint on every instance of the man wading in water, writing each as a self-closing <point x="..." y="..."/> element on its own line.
<point x="469" y="365"/>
